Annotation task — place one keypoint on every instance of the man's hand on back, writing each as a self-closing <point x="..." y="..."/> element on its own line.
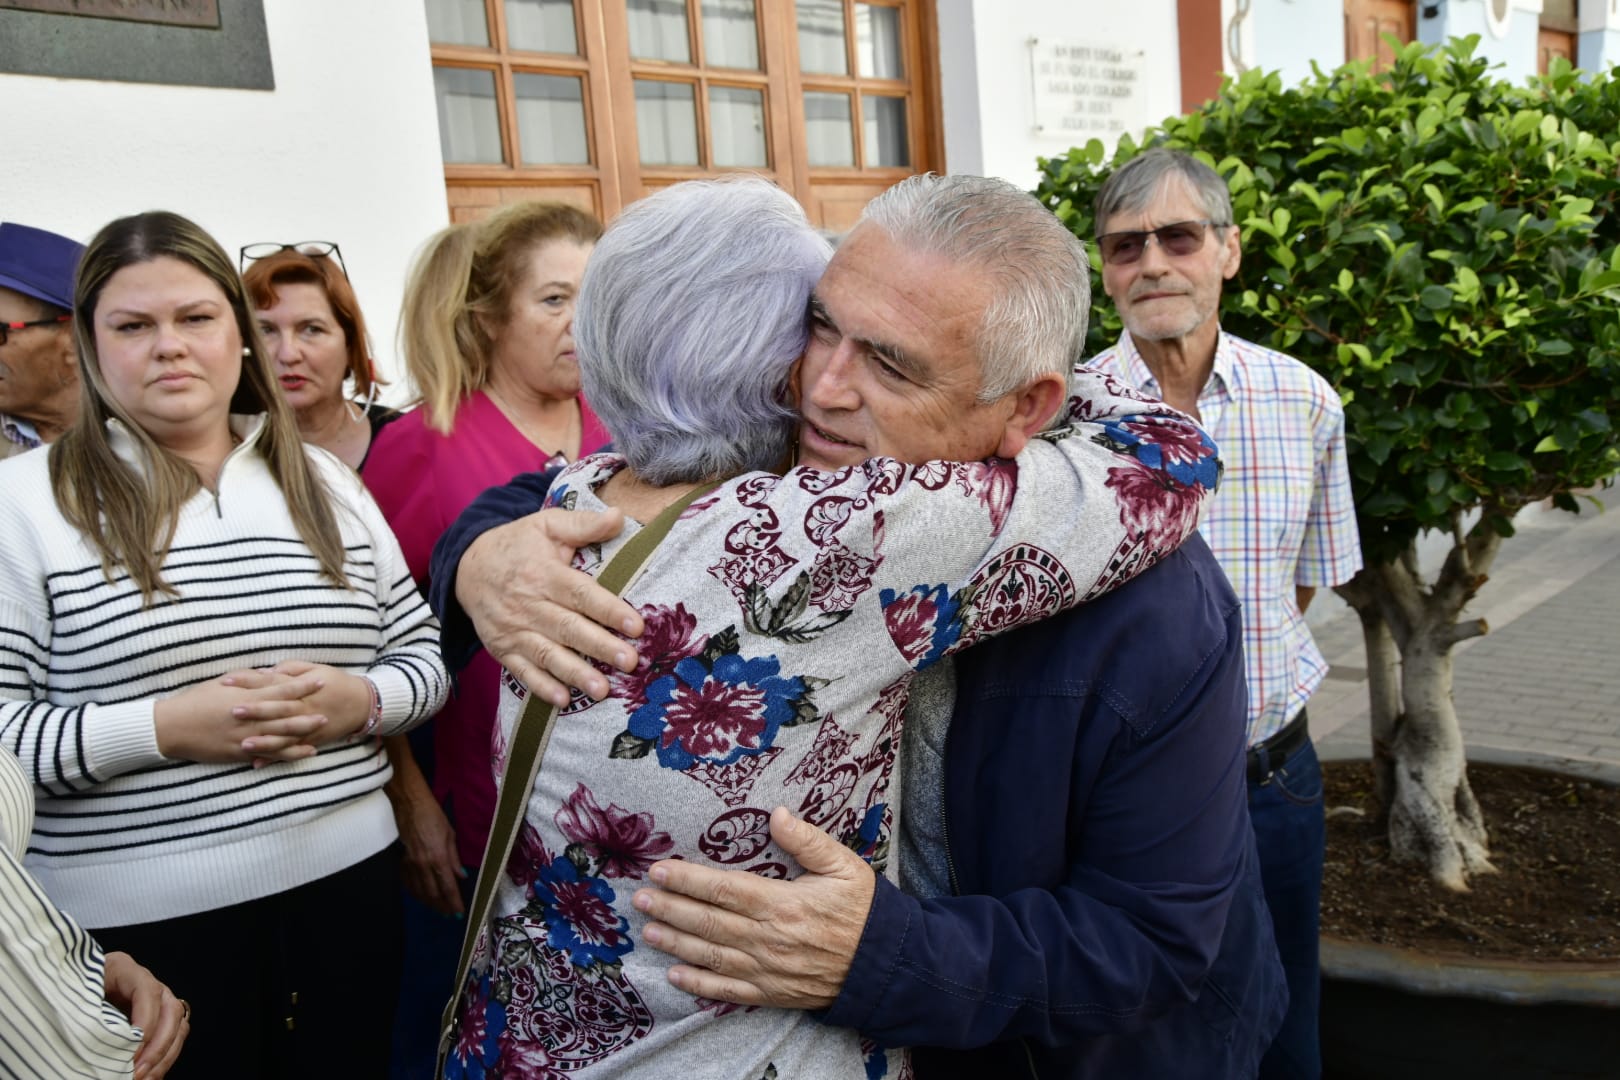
<point x="535" y="614"/>
<point x="757" y="941"/>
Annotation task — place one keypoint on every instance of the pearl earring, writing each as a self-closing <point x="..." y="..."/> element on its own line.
<point x="247" y="350"/>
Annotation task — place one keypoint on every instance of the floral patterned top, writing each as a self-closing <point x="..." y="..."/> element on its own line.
<point x="785" y="617"/>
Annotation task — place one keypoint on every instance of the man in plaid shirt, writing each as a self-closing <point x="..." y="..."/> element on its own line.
<point x="1281" y="526"/>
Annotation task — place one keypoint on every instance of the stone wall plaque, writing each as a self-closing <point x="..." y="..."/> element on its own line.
<point x="1086" y="90"/>
<point x="221" y="43"/>
<point x="201" y="13"/>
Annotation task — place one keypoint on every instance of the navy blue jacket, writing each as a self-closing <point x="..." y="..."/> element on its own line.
<point x="1109" y="920"/>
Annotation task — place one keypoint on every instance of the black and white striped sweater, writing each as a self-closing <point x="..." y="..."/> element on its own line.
<point x="123" y="835"/>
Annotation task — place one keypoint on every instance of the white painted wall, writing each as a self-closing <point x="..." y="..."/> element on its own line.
<point x="345" y="148"/>
<point x="985" y="73"/>
<point x="1289" y="34"/>
<point x="1510" y="42"/>
<point x="1237" y="36"/>
<point x="1598" y="48"/>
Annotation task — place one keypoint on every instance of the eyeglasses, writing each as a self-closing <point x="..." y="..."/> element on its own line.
<point x="1178" y="239"/>
<point x="6" y="327"/>
<point x="315" y="249"/>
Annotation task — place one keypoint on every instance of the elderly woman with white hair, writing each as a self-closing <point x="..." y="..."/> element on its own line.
<point x="786" y="611"/>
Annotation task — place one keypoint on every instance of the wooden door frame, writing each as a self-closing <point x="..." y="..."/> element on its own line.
<point x="615" y="174"/>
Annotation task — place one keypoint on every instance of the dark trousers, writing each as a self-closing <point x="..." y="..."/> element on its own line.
<point x="1290" y="831"/>
<point x="294" y="986"/>
<point x="432" y="949"/>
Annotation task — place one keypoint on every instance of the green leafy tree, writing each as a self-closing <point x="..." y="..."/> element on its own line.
<point x="1441" y="245"/>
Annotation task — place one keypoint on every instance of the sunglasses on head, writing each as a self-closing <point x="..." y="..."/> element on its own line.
<point x="315" y="249"/>
<point x="1179" y="238"/>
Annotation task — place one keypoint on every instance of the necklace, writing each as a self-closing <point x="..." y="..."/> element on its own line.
<point x="538" y="434"/>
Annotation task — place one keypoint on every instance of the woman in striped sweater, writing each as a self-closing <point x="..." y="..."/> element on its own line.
<point x="204" y="629"/>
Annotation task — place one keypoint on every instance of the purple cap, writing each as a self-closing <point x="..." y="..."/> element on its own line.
<point x="38" y="263"/>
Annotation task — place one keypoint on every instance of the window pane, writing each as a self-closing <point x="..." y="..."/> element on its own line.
<point x="737" y="126"/>
<point x="730" y="36"/>
<point x="541" y="26"/>
<point x="469" y="127"/>
<point x="457" y="22"/>
<point x="551" y="119"/>
<point x="828" y="129"/>
<point x="666" y="123"/>
<point x="884" y="119"/>
<point x="877" y="41"/>
<point x="821" y="37"/>
<point x="658" y="30"/>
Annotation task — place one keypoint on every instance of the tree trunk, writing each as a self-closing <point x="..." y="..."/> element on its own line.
<point x="1410" y="627"/>
<point x="1384" y="693"/>
<point x="1383" y="683"/>
<point x="1434" y="821"/>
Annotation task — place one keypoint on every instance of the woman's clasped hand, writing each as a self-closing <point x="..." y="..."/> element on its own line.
<point x="283" y="713"/>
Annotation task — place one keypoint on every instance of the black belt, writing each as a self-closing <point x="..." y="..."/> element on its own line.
<point x="1267" y="757"/>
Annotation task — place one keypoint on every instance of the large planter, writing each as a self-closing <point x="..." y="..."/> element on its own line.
<point x="1390" y="1013"/>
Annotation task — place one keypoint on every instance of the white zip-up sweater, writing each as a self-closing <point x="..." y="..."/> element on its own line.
<point x="123" y="835"/>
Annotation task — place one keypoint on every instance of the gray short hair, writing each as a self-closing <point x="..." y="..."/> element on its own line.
<point x="1036" y="322"/>
<point x="690" y="317"/>
<point x="1135" y="184"/>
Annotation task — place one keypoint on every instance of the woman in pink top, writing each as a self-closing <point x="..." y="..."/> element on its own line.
<point x="487" y="331"/>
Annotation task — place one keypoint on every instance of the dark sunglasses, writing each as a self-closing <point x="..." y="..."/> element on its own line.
<point x="6" y="327"/>
<point x="315" y="249"/>
<point x="1178" y="239"/>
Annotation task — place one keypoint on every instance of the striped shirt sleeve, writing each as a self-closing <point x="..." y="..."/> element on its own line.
<point x="409" y="671"/>
<point x="54" y="1020"/>
<point x="61" y="748"/>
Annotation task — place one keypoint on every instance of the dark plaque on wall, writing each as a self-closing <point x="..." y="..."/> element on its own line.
<point x="203" y="13"/>
<point x="183" y="42"/>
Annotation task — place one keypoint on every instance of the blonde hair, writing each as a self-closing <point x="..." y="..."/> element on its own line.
<point x="460" y="290"/>
<point x="130" y="515"/>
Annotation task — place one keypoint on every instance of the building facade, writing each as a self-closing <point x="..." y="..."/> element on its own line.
<point x="373" y="123"/>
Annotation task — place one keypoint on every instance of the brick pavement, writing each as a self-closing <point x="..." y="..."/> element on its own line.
<point x="1547" y="676"/>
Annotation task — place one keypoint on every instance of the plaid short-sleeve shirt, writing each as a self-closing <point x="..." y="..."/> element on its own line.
<point x="1283" y="516"/>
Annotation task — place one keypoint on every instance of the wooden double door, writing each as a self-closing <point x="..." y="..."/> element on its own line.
<point x="1366" y="22"/>
<point x="600" y="101"/>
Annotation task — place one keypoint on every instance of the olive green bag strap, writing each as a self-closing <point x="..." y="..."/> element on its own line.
<point x="529" y="742"/>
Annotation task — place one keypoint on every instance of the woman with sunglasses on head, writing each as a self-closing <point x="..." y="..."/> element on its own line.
<point x="314" y="331"/>
<point x="205" y="625"/>
<point x="487" y="334"/>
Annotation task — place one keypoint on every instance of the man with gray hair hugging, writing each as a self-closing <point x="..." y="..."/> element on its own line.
<point x="1079" y="892"/>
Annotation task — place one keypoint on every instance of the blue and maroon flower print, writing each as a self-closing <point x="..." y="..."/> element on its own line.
<point x="579" y="915"/>
<point x="1174" y="447"/>
<point x="923" y="623"/>
<point x="716" y="714"/>
<point x="477" y="1048"/>
<point x="669" y="632"/>
<point x="1166" y="468"/>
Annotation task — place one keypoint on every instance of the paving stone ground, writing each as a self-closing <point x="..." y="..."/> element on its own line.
<point x="1547" y="676"/>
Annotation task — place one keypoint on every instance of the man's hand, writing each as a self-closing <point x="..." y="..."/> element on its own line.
<point x="164" y="1019"/>
<point x="535" y="614"/>
<point x="755" y="941"/>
